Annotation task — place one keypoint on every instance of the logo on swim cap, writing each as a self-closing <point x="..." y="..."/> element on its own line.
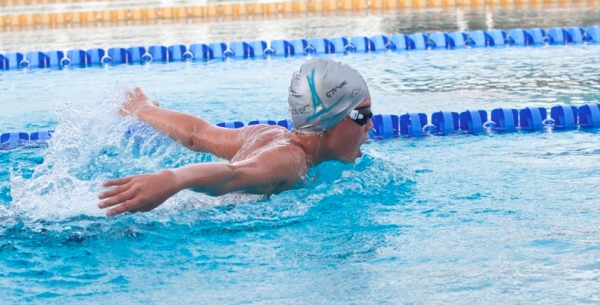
<point x="322" y="93"/>
<point x="355" y="92"/>
<point x="332" y="92"/>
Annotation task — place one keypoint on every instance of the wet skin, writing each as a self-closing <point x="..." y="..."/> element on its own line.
<point x="263" y="159"/>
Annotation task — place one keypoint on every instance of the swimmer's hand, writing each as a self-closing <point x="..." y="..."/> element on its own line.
<point x="136" y="101"/>
<point x="140" y="193"/>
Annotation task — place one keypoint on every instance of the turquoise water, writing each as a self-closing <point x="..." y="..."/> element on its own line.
<point x="490" y="218"/>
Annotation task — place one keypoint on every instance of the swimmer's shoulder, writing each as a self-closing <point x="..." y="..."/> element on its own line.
<point x="264" y="130"/>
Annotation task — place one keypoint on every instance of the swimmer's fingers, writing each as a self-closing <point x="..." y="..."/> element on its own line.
<point x="116" y="182"/>
<point x="139" y="93"/>
<point x="136" y="100"/>
<point x="129" y="95"/>
<point x="139" y="193"/>
<point x="112" y="192"/>
<point x="124" y="110"/>
<point x="127" y="206"/>
<point x="118" y="199"/>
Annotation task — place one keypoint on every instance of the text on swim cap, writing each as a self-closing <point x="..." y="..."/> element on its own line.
<point x="296" y="111"/>
<point x="332" y="92"/>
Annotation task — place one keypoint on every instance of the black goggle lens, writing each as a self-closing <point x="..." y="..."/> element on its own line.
<point x="364" y="115"/>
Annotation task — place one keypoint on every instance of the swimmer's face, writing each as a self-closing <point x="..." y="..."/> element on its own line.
<point x="350" y="135"/>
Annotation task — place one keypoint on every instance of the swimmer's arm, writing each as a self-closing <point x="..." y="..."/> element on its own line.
<point x="267" y="173"/>
<point x="191" y="131"/>
<point x="259" y="175"/>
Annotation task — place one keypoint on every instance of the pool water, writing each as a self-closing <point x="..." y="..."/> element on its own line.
<point x="304" y="25"/>
<point x="488" y="218"/>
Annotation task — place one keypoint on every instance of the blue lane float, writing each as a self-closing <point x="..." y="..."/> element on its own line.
<point x="378" y="43"/>
<point x="179" y="52"/>
<point x="231" y="124"/>
<point x="262" y="121"/>
<point x="480" y="39"/>
<point x="297" y="47"/>
<point x="593" y="33"/>
<point x="413" y="124"/>
<point x="471" y="121"/>
<point x="158" y="53"/>
<point x="280" y="47"/>
<point x="287" y="123"/>
<point x="218" y="49"/>
<point x="532" y="118"/>
<point x="239" y="49"/>
<point x="589" y="116"/>
<point x="418" y="41"/>
<point x="459" y="39"/>
<point x="200" y="51"/>
<point x="445" y="122"/>
<point x="360" y="44"/>
<point x="398" y="43"/>
<point x="95" y="56"/>
<point x="565" y="116"/>
<point x="505" y="119"/>
<point x="137" y="54"/>
<point x="117" y="56"/>
<point x="320" y="46"/>
<point x="440" y="40"/>
<point x="385" y="126"/>
<point x="12" y="140"/>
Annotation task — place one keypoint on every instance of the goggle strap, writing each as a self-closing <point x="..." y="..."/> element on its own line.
<point x="355" y="115"/>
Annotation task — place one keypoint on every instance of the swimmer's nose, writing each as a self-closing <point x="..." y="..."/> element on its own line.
<point x="370" y="125"/>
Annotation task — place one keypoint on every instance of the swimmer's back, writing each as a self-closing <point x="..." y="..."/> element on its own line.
<point x="261" y="137"/>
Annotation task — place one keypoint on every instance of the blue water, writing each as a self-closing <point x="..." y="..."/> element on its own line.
<point x="490" y="218"/>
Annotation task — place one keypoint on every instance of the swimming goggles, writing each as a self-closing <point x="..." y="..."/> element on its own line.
<point x="361" y="115"/>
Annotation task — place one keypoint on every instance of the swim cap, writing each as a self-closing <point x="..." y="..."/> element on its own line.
<point x="322" y="93"/>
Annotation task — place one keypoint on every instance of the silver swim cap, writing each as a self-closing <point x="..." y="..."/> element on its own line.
<point x="322" y="93"/>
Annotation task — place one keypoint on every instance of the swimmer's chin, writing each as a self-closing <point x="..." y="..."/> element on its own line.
<point x="353" y="159"/>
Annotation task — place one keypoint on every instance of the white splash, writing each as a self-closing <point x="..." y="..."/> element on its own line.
<point x="56" y="190"/>
<point x="93" y="144"/>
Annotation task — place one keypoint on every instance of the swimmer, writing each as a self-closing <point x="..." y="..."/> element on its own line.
<point x="330" y="107"/>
